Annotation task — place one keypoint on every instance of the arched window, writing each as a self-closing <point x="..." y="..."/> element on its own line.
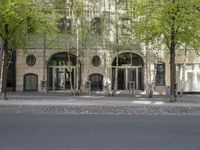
<point x="125" y="59"/>
<point x="96" y="82"/>
<point x="125" y="26"/>
<point x="96" y="25"/>
<point x="65" y="25"/>
<point x="61" y="59"/>
<point x="160" y="74"/>
<point x="61" y="71"/>
<point x="130" y="69"/>
<point x="30" y="82"/>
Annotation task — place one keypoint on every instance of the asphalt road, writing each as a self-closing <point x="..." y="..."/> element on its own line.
<point x="98" y="132"/>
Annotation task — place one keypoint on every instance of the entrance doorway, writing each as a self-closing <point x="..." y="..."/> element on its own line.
<point x="96" y="82"/>
<point x="62" y="71"/>
<point x="30" y="82"/>
<point x="11" y="74"/>
<point x="130" y="69"/>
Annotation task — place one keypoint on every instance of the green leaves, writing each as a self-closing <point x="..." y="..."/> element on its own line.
<point x="22" y="16"/>
<point x="163" y="17"/>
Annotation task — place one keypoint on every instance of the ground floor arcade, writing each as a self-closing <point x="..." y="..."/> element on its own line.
<point x="61" y="71"/>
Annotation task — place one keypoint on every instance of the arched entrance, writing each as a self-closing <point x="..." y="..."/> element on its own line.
<point x="130" y="69"/>
<point x="61" y="71"/>
<point x="96" y="82"/>
<point x="30" y="82"/>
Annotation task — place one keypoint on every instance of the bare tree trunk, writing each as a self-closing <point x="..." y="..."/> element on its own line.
<point x="77" y="60"/>
<point x="1" y="67"/>
<point x="70" y="74"/>
<point x="116" y="75"/>
<point x="146" y="75"/>
<point x="5" y="70"/>
<point x="149" y="81"/>
<point x="44" y="86"/>
<point x="172" y="49"/>
<point x="172" y="73"/>
<point x="117" y="50"/>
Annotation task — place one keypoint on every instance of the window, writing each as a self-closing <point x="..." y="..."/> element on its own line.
<point x="63" y="58"/>
<point x="30" y="82"/>
<point x="96" y="61"/>
<point x="125" y="26"/>
<point x="96" y="82"/>
<point x="160" y="74"/>
<point x="122" y="4"/>
<point x="127" y="58"/>
<point x="65" y="25"/>
<point x="30" y="60"/>
<point x="96" y="25"/>
<point x="191" y="77"/>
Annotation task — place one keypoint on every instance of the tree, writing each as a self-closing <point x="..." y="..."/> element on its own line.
<point x="178" y="21"/>
<point x="17" y="19"/>
<point x="74" y="10"/>
<point x="80" y="31"/>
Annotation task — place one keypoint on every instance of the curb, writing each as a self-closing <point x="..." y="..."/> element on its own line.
<point x="102" y="110"/>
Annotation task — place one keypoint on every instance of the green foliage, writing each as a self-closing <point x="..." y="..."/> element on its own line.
<point x="177" y="21"/>
<point x="18" y="17"/>
<point x="177" y="18"/>
<point x="77" y="11"/>
<point x="76" y="8"/>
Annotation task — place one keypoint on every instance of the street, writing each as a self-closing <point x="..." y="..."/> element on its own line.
<point x="98" y="132"/>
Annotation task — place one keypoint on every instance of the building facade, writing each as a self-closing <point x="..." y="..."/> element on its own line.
<point x="51" y="61"/>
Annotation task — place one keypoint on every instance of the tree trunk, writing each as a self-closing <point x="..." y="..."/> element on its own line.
<point x="115" y="86"/>
<point x="44" y="86"/>
<point x="77" y="53"/>
<point x="70" y="74"/>
<point x="5" y="70"/>
<point x="173" y="86"/>
<point x="147" y="75"/>
<point x="1" y="60"/>
<point x="172" y="73"/>
<point x="117" y="49"/>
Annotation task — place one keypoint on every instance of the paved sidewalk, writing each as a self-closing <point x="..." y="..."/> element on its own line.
<point x="62" y="103"/>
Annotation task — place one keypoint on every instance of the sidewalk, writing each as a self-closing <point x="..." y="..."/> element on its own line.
<point x="62" y="103"/>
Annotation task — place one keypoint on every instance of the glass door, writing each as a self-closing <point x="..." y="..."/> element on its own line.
<point x="127" y="75"/>
<point x="132" y="77"/>
<point x="69" y="79"/>
<point x="96" y="82"/>
<point x="121" y="79"/>
<point x="59" y="78"/>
